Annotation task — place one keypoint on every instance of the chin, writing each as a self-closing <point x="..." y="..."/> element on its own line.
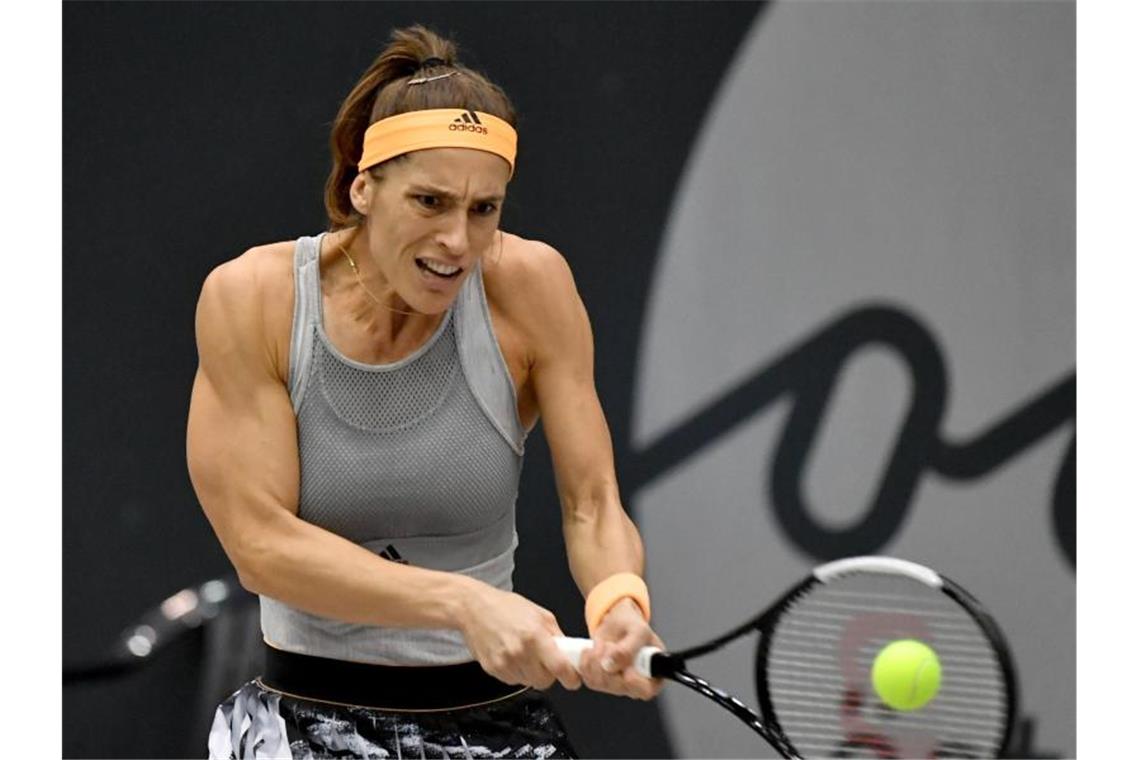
<point x="434" y="299"/>
<point x="430" y="304"/>
<point x="433" y="309"/>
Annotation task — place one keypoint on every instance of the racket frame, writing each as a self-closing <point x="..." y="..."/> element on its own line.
<point x="764" y="623"/>
<point x="672" y="665"/>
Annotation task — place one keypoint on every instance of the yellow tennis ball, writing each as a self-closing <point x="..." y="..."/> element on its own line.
<point x="906" y="674"/>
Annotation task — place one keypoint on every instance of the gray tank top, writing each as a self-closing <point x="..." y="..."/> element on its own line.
<point x="417" y="460"/>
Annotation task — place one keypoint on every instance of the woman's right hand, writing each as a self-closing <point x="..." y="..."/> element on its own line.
<point x="513" y="639"/>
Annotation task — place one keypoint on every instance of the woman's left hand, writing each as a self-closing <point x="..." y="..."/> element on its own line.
<point x="608" y="666"/>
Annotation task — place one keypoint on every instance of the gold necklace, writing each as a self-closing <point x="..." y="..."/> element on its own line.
<point x="364" y="287"/>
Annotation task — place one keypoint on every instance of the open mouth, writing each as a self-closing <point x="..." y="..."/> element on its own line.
<point x="439" y="269"/>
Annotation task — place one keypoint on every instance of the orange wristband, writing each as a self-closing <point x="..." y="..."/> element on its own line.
<point x="611" y="591"/>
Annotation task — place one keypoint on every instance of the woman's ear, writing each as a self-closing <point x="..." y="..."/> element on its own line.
<point x="360" y="192"/>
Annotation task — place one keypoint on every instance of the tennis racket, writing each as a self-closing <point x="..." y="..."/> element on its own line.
<point x="813" y="666"/>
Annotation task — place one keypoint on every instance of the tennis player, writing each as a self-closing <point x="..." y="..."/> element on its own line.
<point x="356" y="437"/>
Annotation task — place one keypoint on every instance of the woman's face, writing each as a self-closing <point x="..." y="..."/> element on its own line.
<point x="430" y="218"/>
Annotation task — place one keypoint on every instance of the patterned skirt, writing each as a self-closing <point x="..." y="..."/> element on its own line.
<point x="451" y="711"/>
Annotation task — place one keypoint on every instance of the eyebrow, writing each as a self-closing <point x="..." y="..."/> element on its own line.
<point x="429" y="190"/>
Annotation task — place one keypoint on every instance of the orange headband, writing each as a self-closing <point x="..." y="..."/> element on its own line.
<point x="438" y="128"/>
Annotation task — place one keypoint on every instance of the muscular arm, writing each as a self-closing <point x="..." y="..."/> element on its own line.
<point x="243" y="460"/>
<point x="600" y="538"/>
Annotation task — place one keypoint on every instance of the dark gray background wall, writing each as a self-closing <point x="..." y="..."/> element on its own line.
<point x="728" y="181"/>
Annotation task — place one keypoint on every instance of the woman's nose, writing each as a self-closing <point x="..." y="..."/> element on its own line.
<point x="453" y="236"/>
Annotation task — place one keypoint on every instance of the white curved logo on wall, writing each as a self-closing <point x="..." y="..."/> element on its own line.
<point x="861" y="333"/>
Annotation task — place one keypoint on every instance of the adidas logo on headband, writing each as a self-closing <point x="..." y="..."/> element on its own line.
<point x="468" y="122"/>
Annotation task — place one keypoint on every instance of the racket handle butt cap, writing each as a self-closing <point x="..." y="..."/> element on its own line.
<point x="643" y="660"/>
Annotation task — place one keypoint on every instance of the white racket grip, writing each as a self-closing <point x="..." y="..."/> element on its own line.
<point x="573" y="649"/>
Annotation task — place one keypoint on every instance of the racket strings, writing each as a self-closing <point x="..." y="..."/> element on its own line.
<point x="818" y="672"/>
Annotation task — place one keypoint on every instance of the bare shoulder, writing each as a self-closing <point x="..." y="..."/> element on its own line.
<point x="246" y="305"/>
<point x="257" y="272"/>
<point x="529" y="277"/>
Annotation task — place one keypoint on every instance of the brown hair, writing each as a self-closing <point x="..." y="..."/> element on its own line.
<point x="383" y="91"/>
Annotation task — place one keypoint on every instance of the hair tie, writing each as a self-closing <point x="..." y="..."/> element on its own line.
<point x="429" y="63"/>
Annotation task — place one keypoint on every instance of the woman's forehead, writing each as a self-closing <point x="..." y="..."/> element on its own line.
<point x="460" y="171"/>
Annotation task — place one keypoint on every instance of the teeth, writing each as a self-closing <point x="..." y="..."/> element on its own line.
<point x="438" y="268"/>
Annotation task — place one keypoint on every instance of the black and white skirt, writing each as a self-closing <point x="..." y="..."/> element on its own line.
<point x="313" y="707"/>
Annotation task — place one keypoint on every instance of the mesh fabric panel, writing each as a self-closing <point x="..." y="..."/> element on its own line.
<point x="402" y="450"/>
<point x="389" y="397"/>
